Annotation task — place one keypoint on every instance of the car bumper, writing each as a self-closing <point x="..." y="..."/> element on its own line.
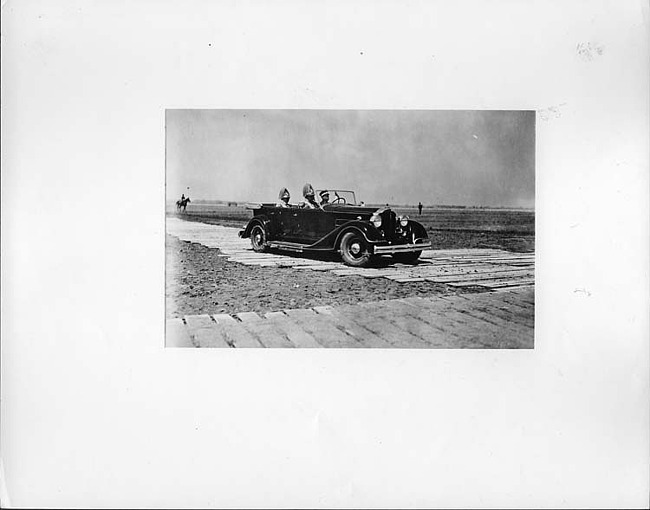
<point x="401" y="248"/>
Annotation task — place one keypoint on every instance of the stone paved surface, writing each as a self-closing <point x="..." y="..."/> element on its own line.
<point x="486" y="268"/>
<point x="503" y="320"/>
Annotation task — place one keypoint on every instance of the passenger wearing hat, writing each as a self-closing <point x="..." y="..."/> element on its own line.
<point x="284" y="197"/>
<point x="324" y="197"/>
<point x="310" y="201"/>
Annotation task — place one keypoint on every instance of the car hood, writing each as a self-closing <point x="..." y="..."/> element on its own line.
<point x="354" y="209"/>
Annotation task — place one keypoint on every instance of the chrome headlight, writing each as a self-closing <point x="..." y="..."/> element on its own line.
<point x="403" y="220"/>
<point x="376" y="220"/>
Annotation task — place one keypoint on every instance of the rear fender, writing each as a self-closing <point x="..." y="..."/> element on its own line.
<point x="257" y="220"/>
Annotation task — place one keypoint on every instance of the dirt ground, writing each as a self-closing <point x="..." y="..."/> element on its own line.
<point x="199" y="281"/>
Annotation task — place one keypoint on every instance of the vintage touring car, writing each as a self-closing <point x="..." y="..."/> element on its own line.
<point x="359" y="233"/>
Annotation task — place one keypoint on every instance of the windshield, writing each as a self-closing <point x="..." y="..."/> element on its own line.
<point x="338" y="197"/>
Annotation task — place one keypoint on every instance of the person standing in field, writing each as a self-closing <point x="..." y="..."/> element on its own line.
<point x="420" y="208"/>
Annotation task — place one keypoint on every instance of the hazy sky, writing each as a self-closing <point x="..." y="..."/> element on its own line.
<point x="396" y="156"/>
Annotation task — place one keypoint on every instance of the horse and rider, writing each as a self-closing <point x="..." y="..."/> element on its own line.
<point x="182" y="203"/>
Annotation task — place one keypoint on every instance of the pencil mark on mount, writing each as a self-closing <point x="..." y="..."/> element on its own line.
<point x="587" y="51"/>
<point x="582" y="290"/>
<point x="551" y="112"/>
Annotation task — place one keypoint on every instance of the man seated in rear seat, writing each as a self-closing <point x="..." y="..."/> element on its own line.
<point x="284" y="197"/>
<point x="310" y="200"/>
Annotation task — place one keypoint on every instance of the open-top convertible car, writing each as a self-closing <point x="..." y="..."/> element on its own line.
<point x="359" y="233"/>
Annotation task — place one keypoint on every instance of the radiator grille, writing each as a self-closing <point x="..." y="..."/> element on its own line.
<point x="388" y="221"/>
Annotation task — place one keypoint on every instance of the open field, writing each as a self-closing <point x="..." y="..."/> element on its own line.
<point x="448" y="227"/>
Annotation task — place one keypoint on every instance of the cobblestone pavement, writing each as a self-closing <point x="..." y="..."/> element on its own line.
<point x="503" y="320"/>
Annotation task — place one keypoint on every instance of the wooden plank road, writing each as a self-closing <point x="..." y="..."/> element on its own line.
<point x="503" y="320"/>
<point x="489" y="269"/>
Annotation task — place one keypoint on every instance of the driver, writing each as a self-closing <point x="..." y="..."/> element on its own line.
<point x="324" y="197"/>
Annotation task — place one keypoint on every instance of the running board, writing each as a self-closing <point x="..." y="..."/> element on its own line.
<point x="283" y="245"/>
<point x="402" y="248"/>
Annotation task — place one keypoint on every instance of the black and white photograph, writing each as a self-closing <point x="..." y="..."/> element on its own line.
<point x="350" y="228"/>
<point x="325" y="254"/>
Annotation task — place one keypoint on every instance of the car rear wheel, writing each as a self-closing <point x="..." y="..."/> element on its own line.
<point x="258" y="238"/>
<point x="354" y="250"/>
<point x="409" y="257"/>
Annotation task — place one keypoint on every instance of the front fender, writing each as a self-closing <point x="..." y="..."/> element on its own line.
<point x="368" y="230"/>
<point x="418" y="230"/>
<point x="333" y="239"/>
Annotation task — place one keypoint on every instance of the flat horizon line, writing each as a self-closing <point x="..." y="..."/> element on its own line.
<point x="379" y="204"/>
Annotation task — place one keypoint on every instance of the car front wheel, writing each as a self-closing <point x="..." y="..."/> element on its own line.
<point x="354" y="250"/>
<point x="258" y="238"/>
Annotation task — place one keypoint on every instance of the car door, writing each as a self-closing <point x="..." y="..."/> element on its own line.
<point x="314" y="224"/>
<point x="289" y="225"/>
<point x="283" y="222"/>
